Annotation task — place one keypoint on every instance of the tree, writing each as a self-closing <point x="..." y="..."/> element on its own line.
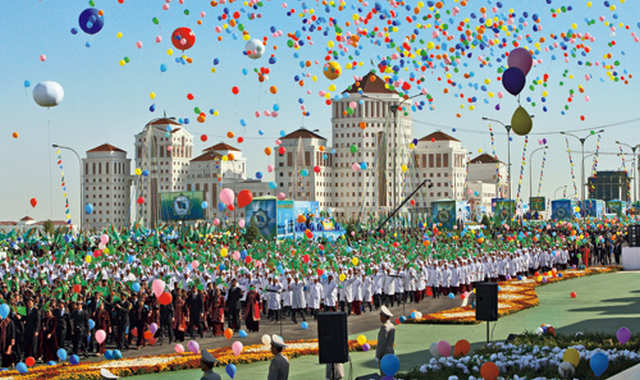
<point x="253" y="233"/>
<point x="48" y="227"/>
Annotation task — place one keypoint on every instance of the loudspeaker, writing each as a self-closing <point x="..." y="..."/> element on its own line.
<point x="486" y="301"/>
<point x="332" y="338"/>
<point x="371" y="376"/>
<point x="633" y="235"/>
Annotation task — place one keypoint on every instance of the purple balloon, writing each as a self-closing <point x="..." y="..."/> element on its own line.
<point x="366" y="347"/>
<point x="193" y="346"/>
<point x="623" y="334"/>
<point x="513" y="80"/>
<point x="520" y="58"/>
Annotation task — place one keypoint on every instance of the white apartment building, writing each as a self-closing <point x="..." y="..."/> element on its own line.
<point x="210" y="173"/>
<point x="488" y="169"/>
<point x="296" y="169"/>
<point x="479" y="196"/>
<point x="441" y="159"/>
<point x="107" y="186"/>
<point x="164" y="149"/>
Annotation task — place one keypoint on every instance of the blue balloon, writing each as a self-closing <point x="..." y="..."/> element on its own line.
<point x="135" y="287"/>
<point x="62" y="354"/>
<point x="273" y="185"/>
<point x="451" y="296"/>
<point x="74" y="359"/>
<point x="163" y="68"/>
<point x="259" y="175"/>
<point x="402" y="319"/>
<point x="145" y="173"/>
<point x="74" y="31"/>
<point x="599" y="363"/>
<point x="92" y="324"/>
<point x="261" y="132"/>
<point x="231" y="370"/>
<point x="90" y="22"/>
<point x="283" y="133"/>
<point x="304" y="325"/>
<point x="513" y="80"/>
<point x="108" y="354"/>
<point x="117" y="354"/>
<point x="390" y="364"/>
<point x="27" y="83"/>
<point x="242" y="334"/>
<point x="88" y="208"/>
<point x="22" y="368"/>
<point x="51" y="362"/>
<point x="204" y="205"/>
<point x="221" y="206"/>
<point x="304" y="172"/>
<point x="4" y="310"/>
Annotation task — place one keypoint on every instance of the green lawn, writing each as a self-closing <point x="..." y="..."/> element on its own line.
<point x="604" y="303"/>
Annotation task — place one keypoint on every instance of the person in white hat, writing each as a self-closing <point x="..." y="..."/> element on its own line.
<point x="105" y="374"/>
<point x="386" y="336"/>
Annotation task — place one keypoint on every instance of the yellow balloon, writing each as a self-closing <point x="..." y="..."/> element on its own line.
<point x="572" y="356"/>
<point x="332" y="70"/>
<point x="362" y="339"/>
<point x="342" y="277"/>
<point x="138" y="171"/>
<point x="404" y="168"/>
<point x="355" y="261"/>
<point x="152" y="95"/>
<point x="119" y="35"/>
<point x="224" y="252"/>
<point x="88" y="259"/>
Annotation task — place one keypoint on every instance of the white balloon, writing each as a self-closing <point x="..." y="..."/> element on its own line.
<point x="48" y="94"/>
<point x="254" y="48"/>
<point x="434" y="350"/>
<point x="566" y="370"/>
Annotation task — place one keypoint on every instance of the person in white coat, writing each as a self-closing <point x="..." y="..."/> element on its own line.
<point x="298" y="301"/>
<point x="330" y="294"/>
<point x="274" y="299"/>
<point x="316" y="293"/>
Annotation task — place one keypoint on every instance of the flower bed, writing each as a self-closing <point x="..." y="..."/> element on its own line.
<point x="514" y="296"/>
<point x="533" y="357"/>
<point x="170" y="362"/>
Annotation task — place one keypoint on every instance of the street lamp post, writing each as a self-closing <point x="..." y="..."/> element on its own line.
<point x="582" y="141"/>
<point x="530" y="172"/>
<point x="556" y="191"/>
<point x="81" y="177"/>
<point x="633" y="169"/>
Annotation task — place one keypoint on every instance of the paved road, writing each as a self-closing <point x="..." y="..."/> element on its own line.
<point x="357" y="325"/>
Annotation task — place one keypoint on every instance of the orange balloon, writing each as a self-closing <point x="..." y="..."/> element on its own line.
<point x="15" y="135"/>
<point x="268" y="151"/>
<point x="230" y="156"/>
<point x="148" y="335"/>
<point x="273" y="89"/>
<point x="461" y="348"/>
<point x="228" y="333"/>
<point x="301" y="219"/>
<point x="230" y="134"/>
<point x="489" y="371"/>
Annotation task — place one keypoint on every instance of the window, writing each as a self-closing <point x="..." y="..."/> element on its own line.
<point x="445" y="160"/>
<point x="438" y="160"/>
<point x="431" y="160"/>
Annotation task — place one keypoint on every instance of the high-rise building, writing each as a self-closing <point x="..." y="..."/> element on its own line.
<point x="107" y="187"/>
<point x="164" y="150"/>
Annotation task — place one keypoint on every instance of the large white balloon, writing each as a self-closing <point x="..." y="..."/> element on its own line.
<point x="254" y="48"/>
<point x="48" y="94"/>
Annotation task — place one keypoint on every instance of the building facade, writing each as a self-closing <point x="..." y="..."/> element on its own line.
<point x="610" y="185"/>
<point x="488" y="169"/>
<point x="164" y="150"/>
<point x="107" y="182"/>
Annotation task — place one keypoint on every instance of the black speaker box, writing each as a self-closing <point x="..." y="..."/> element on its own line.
<point x="332" y="338"/>
<point x="486" y="301"/>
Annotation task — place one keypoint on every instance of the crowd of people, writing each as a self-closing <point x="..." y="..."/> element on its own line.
<point x="60" y="294"/>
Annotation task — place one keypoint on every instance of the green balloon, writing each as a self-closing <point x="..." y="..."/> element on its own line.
<point x="354" y="149"/>
<point x="155" y="20"/>
<point x="521" y="122"/>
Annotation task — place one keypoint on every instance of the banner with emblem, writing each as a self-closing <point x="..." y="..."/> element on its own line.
<point x="263" y="212"/>
<point x="503" y="210"/>
<point x="444" y="213"/>
<point x="537" y="203"/>
<point x="563" y="209"/>
<point x="183" y="205"/>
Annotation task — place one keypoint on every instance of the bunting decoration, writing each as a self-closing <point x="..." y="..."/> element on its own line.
<point x="544" y="160"/>
<point x="624" y="168"/>
<point x="63" y="184"/>
<point x="493" y="148"/>
<point x="573" y="175"/>
<point x="522" y="166"/>
<point x="594" y="167"/>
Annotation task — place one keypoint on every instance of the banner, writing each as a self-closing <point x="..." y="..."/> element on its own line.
<point x="503" y="210"/>
<point x="263" y="212"/>
<point x="185" y="205"/>
<point x="537" y="203"/>
<point x="562" y="209"/>
<point x="444" y="212"/>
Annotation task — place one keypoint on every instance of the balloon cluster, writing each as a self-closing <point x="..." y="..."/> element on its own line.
<point x="514" y="80"/>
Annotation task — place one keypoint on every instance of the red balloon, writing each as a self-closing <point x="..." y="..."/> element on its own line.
<point x="235" y="90"/>
<point x="77" y="288"/>
<point x="244" y="198"/>
<point x="204" y="138"/>
<point x="140" y="200"/>
<point x="183" y="38"/>
<point x="30" y="361"/>
<point x="230" y="207"/>
<point x="165" y="298"/>
<point x="282" y="150"/>
<point x="34" y="202"/>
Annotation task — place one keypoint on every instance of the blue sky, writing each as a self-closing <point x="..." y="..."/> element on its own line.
<point x="107" y="102"/>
